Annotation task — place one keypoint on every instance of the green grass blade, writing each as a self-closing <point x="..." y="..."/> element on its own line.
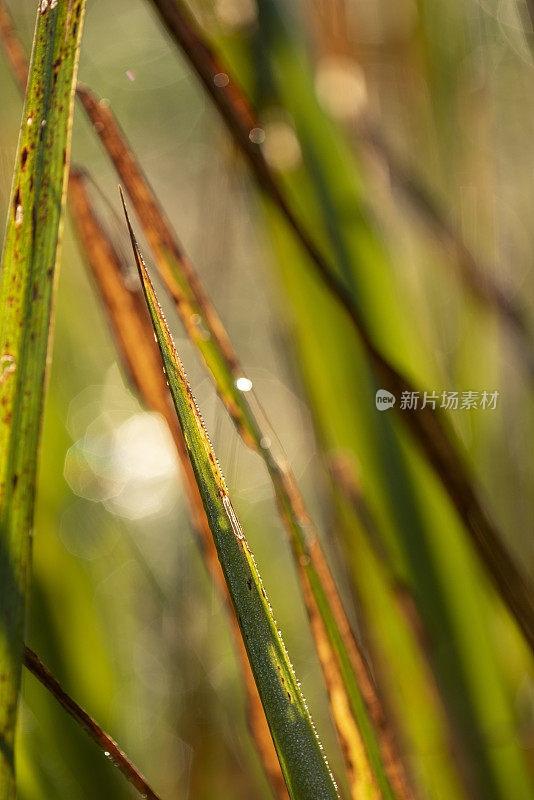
<point x="30" y="254"/>
<point x="300" y="753"/>
<point x="134" y="337"/>
<point x="373" y="765"/>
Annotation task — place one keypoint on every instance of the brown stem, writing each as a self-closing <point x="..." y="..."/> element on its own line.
<point x="100" y="737"/>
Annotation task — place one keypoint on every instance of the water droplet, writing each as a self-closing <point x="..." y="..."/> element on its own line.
<point x="257" y="135"/>
<point x="43" y="123"/>
<point x="29" y="121"/>
<point x="53" y="4"/>
<point x="43" y="6"/>
<point x="221" y="79"/>
<point x="130" y="75"/>
<point x="107" y="753"/>
<point x="265" y="442"/>
<point x="19" y="216"/>
<point x="243" y="384"/>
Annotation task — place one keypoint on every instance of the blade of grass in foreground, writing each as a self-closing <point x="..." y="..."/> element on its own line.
<point x="368" y="747"/>
<point x="30" y="255"/>
<point x="428" y="427"/>
<point x="126" y="310"/>
<point x="372" y="762"/>
<point x="300" y="753"/>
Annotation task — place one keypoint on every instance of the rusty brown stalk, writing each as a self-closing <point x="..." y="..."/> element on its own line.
<point x="134" y="338"/>
<point x="428" y="427"/>
<point x="34" y="664"/>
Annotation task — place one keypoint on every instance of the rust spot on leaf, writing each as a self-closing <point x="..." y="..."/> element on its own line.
<point x="17" y="200"/>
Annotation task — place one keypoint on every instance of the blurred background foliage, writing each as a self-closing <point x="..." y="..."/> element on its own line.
<point x="122" y="608"/>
